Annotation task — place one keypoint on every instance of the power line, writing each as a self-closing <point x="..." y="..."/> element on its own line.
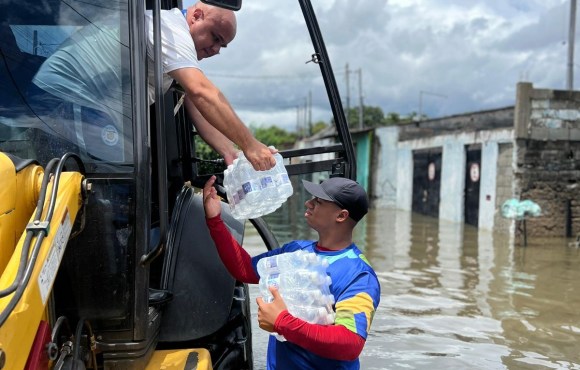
<point x="267" y="77"/>
<point x="264" y="77"/>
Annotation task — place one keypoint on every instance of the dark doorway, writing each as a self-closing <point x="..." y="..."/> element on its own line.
<point x="426" y="181"/>
<point x="472" y="181"/>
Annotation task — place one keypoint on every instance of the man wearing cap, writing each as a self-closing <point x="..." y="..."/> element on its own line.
<point x="336" y="207"/>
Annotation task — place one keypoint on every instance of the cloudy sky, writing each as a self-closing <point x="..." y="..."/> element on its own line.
<point x="440" y="57"/>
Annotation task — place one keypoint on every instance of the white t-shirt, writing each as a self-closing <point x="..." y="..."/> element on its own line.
<point x="91" y="70"/>
<point x="87" y="68"/>
<point x="177" y="47"/>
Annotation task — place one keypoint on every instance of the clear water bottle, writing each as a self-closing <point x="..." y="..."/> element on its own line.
<point x="228" y="187"/>
<point x="256" y="193"/>
<point x="268" y="186"/>
<point x="250" y="185"/>
<point x="303" y="279"/>
<point x="281" y="178"/>
<point x="305" y="297"/>
<point x="313" y="315"/>
<point x="239" y="196"/>
<point x="265" y="283"/>
<point x="283" y="262"/>
<point x="303" y="284"/>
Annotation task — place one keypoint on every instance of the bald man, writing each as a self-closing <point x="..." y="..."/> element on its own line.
<point x="91" y="71"/>
<point x="209" y="29"/>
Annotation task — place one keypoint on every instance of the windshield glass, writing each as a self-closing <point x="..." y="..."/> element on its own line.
<point x="65" y="78"/>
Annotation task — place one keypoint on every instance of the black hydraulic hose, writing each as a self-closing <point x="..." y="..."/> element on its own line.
<point x="29" y="233"/>
<point x="62" y="320"/>
<point x="40" y="237"/>
<point x="44" y="187"/>
<point x="77" y="342"/>
<point x="57" y="174"/>
<point x="21" y="266"/>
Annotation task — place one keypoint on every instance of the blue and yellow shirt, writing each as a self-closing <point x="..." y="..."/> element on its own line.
<point x="356" y="292"/>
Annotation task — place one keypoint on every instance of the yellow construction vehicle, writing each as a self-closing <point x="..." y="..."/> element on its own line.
<point x="105" y="259"/>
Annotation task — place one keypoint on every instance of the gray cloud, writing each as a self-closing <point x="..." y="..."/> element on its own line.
<point x="473" y="52"/>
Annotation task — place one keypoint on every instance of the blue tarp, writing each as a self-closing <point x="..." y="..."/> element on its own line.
<point x="519" y="210"/>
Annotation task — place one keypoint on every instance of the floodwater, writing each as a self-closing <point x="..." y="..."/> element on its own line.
<point x="453" y="297"/>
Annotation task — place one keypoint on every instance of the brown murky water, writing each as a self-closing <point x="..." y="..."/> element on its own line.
<point x="453" y="297"/>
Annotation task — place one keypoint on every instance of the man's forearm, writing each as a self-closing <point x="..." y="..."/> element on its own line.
<point x="213" y="106"/>
<point x="330" y="341"/>
<point x="234" y="257"/>
<point x="211" y="135"/>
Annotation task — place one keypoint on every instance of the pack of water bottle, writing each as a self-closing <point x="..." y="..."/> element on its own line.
<point x="301" y="279"/>
<point x="252" y="193"/>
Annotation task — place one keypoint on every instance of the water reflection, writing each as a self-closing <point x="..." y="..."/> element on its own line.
<point x="454" y="297"/>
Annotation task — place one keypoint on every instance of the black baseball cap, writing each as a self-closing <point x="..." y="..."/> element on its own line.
<point x="346" y="193"/>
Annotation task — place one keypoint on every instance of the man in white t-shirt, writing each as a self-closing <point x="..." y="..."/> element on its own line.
<point x="87" y="71"/>
<point x="206" y="29"/>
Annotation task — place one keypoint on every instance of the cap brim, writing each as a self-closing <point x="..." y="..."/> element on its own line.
<point x="316" y="190"/>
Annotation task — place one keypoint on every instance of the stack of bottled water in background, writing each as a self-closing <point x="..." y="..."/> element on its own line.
<point x="252" y="193"/>
<point x="303" y="284"/>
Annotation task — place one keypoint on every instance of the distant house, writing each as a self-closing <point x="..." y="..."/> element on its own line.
<point x="462" y="168"/>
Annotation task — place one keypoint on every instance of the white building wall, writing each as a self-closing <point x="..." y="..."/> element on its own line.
<point x="385" y="186"/>
<point x="452" y="189"/>
<point x="487" y="185"/>
<point x="452" y="175"/>
<point x="405" y="179"/>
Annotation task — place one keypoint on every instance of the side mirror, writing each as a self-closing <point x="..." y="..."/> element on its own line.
<point x="226" y="4"/>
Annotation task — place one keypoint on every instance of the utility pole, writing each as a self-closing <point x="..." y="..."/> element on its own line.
<point x="305" y="117"/>
<point x="298" y="130"/>
<point x="309" y="112"/>
<point x="570" y="84"/>
<point x="347" y="73"/>
<point x="360" y="99"/>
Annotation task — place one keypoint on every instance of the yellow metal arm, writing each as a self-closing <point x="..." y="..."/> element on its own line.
<point x="18" y="330"/>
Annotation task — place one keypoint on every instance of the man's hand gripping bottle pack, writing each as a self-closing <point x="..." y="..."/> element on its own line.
<point x="303" y="284"/>
<point x="252" y="193"/>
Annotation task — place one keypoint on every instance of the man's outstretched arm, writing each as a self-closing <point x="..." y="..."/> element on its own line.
<point x="215" y="108"/>
<point x="211" y="135"/>
<point x="234" y="257"/>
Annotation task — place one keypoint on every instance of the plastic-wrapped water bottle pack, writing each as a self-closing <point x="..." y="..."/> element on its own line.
<point x="303" y="284"/>
<point x="252" y="193"/>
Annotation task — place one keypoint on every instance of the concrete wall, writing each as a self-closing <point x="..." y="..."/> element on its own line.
<point x="385" y="163"/>
<point x="488" y="184"/>
<point x="505" y="187"/>
<point x="363" y="144"/>
<point x="530" y="151"/>
<point x="405" y="179"/>
<point x="392" y="171"/>
<point x="452" y="181"/>
<point x="547" y="165"/>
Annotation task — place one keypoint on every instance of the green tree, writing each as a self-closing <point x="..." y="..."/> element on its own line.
<point x="392" y="118"/>
<point x="273" y="135"/>
<point x="276" y="136"/>
<point x="207" y="154"/>
<point x="318" y="126"/>
<point x="372" y="117"/>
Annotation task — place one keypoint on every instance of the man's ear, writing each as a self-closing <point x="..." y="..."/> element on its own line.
<point x="342" y="216"/>
<point x="198" y="14"/>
